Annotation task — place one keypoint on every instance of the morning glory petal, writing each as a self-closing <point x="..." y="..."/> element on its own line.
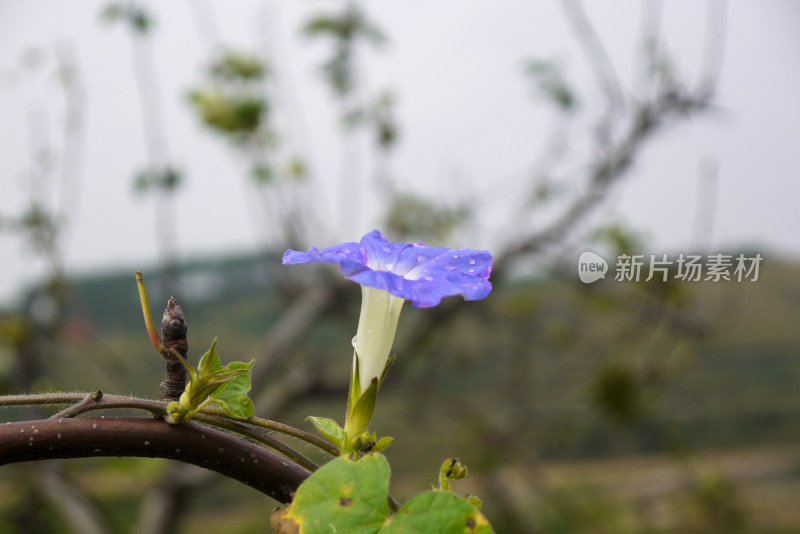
<point x="412" y="271"/>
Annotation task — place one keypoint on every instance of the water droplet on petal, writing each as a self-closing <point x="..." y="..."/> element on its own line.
<point x="387" y="250"/>
<point x="449" y="267"/>
<point x="354" y="341"/>
<point x="421" y="258"/>
<point x="428" y="278"/>
<point x="472" y="270"/>
<point x="472" y="261"/>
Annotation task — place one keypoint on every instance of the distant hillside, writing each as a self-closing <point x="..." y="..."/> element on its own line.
<point x="110" y="301"/>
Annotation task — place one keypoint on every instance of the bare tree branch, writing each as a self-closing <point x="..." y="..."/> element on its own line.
<point x="71" y="502"/>
<point x="164" y="504"/>
<point x="606" y="171"/>
<point x="292" y="325"/>
<point x="714" y="49"/>
<point x="649" y="47"/>
<point x="594" y="50"/>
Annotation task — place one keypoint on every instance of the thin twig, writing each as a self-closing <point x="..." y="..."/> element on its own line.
<point x="81" y="407"/>
<point x="282" y="428"/>
<point x="714" y="47"/>
<point x="593" y="47"/>
<point x="252" y="433"/>
<point x="108" y="402"/>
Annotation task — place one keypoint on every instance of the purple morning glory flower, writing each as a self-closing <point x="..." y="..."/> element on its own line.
<point x="389" y="274"/>
<point x="416" y="272"/>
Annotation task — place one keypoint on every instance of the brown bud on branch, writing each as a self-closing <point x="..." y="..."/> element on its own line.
<point x="173" y="327"/>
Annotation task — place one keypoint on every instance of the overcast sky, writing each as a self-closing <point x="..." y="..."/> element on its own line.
<point x="470" y="123"/>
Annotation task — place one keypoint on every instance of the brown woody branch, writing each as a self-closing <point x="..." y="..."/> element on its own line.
<point x="191" y="443"/>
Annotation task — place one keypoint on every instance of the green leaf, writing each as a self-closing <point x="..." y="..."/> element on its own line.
<point x="328" y="428"/>
<point x="205" y="387"/>
<point x="209" y="362"/>
<point x="236" y="66"/>
<point x="225" y="386"/>
<point x="113" y="11"/>
<point x="232" y="396"/>
<point x="297" y="169"/>
<point x="347" y="495"/>
<point x="475" y="501"/>
<point x="440" y="512"/>
<point x="262" y="174"/>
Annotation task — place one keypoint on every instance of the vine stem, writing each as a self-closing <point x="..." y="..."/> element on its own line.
<point x="209" y="415"/>
<point x="188" y="442"/>
<point x="253" y="433"/>
<point x="282" y="428"/>
<point x="75" y="409"/>
<point x="82" y="403"/>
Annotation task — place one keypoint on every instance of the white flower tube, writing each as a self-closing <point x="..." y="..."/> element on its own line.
<point x="377" y="324"/>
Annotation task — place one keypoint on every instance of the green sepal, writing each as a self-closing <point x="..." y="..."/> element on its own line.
<point x="452" y="469"/>
<point x="389" y="363"/>
<point x="330" y="429"/>
<point x="355" y="387"/>
<point x="362" y="444"/>
<point x="382" y="444"/>
<point x="359" y="417"/>
<point x="186" y="365"/>
<point x="367" y="442"/>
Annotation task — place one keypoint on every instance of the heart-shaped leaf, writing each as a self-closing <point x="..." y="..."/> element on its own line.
<point x="437" y="511"/>
<point x="232" y="396"/>
<point x="344" y="494"/>
<point x="347" y="495"/>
